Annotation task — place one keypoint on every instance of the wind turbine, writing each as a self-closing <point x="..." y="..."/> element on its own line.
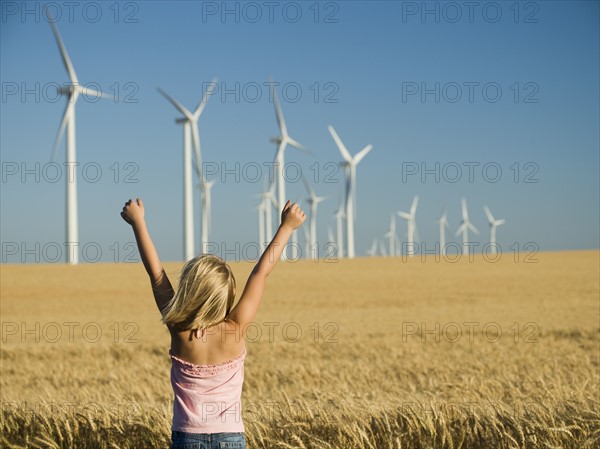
<point x="205" y="189"/>
<point x="71" y="91"/>
<point x="391" y="235"/>
<point x="306" y="242"/>
<point x="282" y="141"/>
<point x="411" y="225"/>
<point x="350" y="171"/>
<point x="443" y="223"/>
<point x="190" y="125"/>
<point x="465" y="226"/>
<point x="382" y="249"/>
<point x="372" y="252"/>
<point x="339" y="219"/>
<point x="261" y="225"/>
<point x="313" y="202"/>
<point x="493" y="225"/>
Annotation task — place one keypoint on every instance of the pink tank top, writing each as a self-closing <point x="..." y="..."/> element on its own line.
<point x="207" y="397"/>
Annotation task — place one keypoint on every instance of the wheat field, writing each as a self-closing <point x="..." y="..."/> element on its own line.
<point x="363" y="353"/>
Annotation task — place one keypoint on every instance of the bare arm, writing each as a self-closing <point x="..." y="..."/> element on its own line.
<point x="133" y="213"/>
<point x="247" y="307"/>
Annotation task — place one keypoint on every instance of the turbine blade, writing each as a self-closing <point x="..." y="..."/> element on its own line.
<point x="94" y="93"/>
<point x="197" y="153"/>
<point x="404" y="215"/>
<point x="278" y="113"/>
<point x="460" y="229"/>
<point x="488" y="213"/>
<point x="500" y="222"/>
<point x="299" y="146"/>
<point x="465" y="213"/>
<point x="362" y="153"/>
<point x="61" y="129"/>
<point x="202" y="103"/>
<point x="343" y="150"/>
<point x="63" y="52"/>
<point x="413" y="207"/>
<point x="472" y="228"/>
<point x="177" y="105"/>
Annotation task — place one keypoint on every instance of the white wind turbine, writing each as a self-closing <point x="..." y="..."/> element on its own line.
<point x="493" y="225"/>
<point x="339" y="221"/>
<point x="391" y="235"/>
<point x="205" y="189"/>
<point x="71" y="91"/>
<point x="269" y="202"/>
<point x="443" y="223"/>
<point x="372" y="252"/>
<point x="350" y="171"/>
<point x="382" y="249"/>
<point x="282" y="141"/>
<point x="465" y="226"/>
<point x="313" y="202"/>
<point x="190" y="124"/>
<point x="411" y="226"/>
<point x="261" y="225"/>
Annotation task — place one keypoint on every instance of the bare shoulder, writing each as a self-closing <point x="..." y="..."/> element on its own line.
<point x="217" y="344"/>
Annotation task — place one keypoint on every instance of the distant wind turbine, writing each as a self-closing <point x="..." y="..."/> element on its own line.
<point x="493" y="225"/>
<point x="313" y="202"/>
<point x="350" y="164"/>
<point x="282" y="141"/>
<point x="443" y="223"/>
<point x="411" y="226"/>
<point x="465" y="226"/>
<point x="372" y="252"/>
<point x="190" y="125"/>
<point x="71" y="91"/>
<point x="391" y="235"/>
<point x="339" y="222"/>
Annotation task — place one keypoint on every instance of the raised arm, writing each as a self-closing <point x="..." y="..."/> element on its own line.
<point x="245" y="310"/>
<point x="133" y="213"/>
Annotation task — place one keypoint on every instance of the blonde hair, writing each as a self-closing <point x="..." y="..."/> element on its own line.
<point x="204" y="296"/>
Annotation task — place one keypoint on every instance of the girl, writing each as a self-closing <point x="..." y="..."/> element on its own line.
<point x="207" y="333"/>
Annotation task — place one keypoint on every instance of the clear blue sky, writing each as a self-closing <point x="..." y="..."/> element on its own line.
<point x="543" y="56"/>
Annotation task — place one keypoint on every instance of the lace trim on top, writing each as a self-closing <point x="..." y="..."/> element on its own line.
<point x="207" y="370"/>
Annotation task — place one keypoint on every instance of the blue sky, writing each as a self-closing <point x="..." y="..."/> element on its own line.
<point x="517" y="91"/>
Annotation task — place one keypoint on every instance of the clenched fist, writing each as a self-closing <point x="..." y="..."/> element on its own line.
<point x="292" y="215"/>
<point x="133" y="211"/>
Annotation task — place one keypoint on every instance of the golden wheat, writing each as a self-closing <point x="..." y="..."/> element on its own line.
<point x="363" y="353"/>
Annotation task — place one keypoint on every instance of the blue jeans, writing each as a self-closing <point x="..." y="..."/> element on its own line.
<point x="226" y="440"/>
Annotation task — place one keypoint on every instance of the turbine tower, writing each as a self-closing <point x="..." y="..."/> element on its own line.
<point x="71" y="91"/>
<point x="339" y="222"/>
<point x="443" y="223"/>
<point x="261" y="225"/>
<point x="313" y="202"/>
<point x="205" y="190"/>
<point x="190" y="126"/>
<point x="282" y="141"/>
<point x="493" y="225"/>
<point x="391" y="235"/>
<point x="372" y="252"/>
<point x="350" y="171"/>
<point x="465" y="226"/>
<point x="411" y="225"/>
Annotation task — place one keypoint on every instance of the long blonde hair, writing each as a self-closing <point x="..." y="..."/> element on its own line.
<point x="204" y="296"/>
